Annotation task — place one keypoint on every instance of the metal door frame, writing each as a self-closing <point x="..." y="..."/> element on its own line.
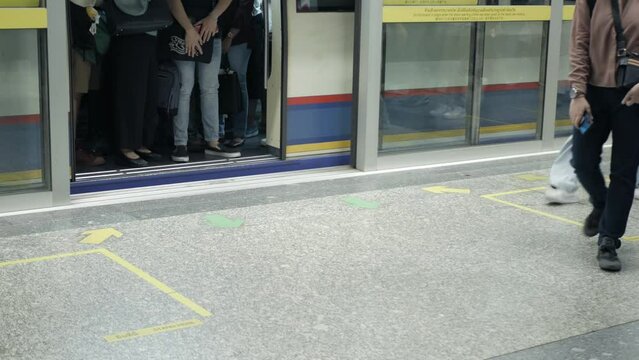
<point x="55" y="113"/>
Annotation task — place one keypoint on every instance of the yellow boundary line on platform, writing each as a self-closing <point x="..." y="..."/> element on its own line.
<point x="493" y="197"/>
<point x="128" y="335"/>
<point x="141" y="274"/>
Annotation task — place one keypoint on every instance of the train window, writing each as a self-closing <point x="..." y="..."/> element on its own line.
<point x="325" y="5"/>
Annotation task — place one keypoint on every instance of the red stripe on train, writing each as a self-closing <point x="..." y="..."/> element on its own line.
<point x="20" y="119"/>
<point x="326" y="99"/>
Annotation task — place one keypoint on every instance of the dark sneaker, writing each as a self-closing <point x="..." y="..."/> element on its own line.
<point x="149" y="156"/>
<point x="607" y="254"/>
<point x="591" y="225"/>
<point x="180" y="154"/>
<point x="236" y="143"/>
<point x="221" y="152"/>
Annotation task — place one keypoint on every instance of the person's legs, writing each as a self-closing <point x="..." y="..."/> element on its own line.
<point x="151" y="101"/>
<point x="181" y="120"/>
<point x="239" y="56"/>
<point x="131" y="74"/>
<point x="209" y="101"/>
<point x="623" y="169"/>
<point x="586" y="159"/>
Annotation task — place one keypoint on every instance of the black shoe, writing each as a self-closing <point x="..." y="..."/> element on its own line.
<point x="591" y="225"/>
<point x="221" y="151"/>
<point x="180" y="154"/>
<point x="236" y="143"/>
<point x="150" y="156"/>
<point x="607" y="254"/>
<point x="132" y="163"/>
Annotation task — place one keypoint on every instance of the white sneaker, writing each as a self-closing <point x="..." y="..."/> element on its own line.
<point x="637" y="193"/>
<point x="558" y="196"/>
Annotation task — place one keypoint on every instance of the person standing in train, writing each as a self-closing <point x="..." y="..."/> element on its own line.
<point x="239" y="39"/>
<point x="593" y="59"/>
<point x="204" y="15"/>
<point x="82" y="71"/>
<point x="135" y="67"/>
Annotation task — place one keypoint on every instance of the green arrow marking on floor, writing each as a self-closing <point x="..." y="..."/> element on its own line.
<point x="361" y="203"/>
<point x="219" y="221"/>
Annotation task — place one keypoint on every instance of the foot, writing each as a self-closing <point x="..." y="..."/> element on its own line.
<point x="218" y="150"/>
<point x="252" y="133"/>
<point x="131" y="159"/>
<point x="607" y="254"/>
<point x="85" y="158"/>
<point x="180" y="154"/>
<point x="559" y="196"/>
<point x="237" y="142"/>
<point x="148" y="155"/>
<point x="591" y="224"/>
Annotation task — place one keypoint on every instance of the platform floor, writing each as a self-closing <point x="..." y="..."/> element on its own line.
<point x="372" y="267"/>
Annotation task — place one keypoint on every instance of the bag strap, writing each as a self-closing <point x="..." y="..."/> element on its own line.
<point x="621" y="39"/>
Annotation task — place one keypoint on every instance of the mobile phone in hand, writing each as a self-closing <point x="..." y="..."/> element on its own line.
<point x="586" y="121"/>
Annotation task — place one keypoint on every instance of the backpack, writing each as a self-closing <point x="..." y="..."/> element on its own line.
<point x="168" y="88"/>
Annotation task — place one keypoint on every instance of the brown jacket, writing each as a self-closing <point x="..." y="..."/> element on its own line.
<point x="593" y="46"/>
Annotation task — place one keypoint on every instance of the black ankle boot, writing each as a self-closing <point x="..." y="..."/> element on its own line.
<point x="607" y="254"/>
<point x="591" y="224"/>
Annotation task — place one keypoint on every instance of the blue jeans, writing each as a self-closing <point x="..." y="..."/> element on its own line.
<point x="209" y="85"/>
<point x="609" y="116"/>
<point x="239" y="56"/>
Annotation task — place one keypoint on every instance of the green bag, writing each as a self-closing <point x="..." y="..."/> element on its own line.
<point x="102" y="38"/>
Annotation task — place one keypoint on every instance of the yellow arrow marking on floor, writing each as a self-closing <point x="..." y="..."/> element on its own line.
<point x="532" y="177"/>
<point x="96" y="237"/>
<point x="444" y="189"/>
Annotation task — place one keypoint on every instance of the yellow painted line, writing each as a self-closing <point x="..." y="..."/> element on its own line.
<point x="430" y="2"/>
<point x="568" y="12"/>
<point x="518" y="191"/>
<point x="21" y="175"/>
<point x="532" y="177"/>
<point x="445" y="189"/>
<point x="23" y="18"/>
<point x="538" y="212"/>
<point x="47" y="258"/>
<point x="447" y="14"/>
<point x="428" y="135"/>
<point x="563" y="123"/>
<point x="156" y="283"/>
<point x="128" y="335"/>
<point x="332" y="145"/>
<point x="534" y="211"/>
<point x="19" y="3"/>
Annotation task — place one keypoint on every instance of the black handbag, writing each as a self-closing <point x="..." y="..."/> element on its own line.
<point x="627" y="61"/>
<point x="230" y="93"/>
<point x="172" y="45"/>
<point x="157" y="17"/>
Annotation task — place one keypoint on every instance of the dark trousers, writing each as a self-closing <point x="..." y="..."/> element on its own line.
<point x="135" y="86"/>
<point x="609" y="115"/>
